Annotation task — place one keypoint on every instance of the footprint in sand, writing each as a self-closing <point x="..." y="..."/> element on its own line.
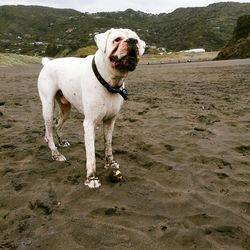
<point x="243" y="149"/>
<point x="209" y="119"/>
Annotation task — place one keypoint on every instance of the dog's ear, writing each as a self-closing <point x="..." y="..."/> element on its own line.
<point x="102" y="39"/>
<point x="141" y="47"/>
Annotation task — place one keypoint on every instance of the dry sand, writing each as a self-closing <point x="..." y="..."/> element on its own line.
<point x="183" y="142"/>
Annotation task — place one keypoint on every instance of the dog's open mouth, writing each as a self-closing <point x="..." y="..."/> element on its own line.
<point x="127" y="62"/>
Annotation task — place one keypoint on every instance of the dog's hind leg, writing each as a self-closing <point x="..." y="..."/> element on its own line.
<point x="64" y="112"/>
<point x="48" y="111"/>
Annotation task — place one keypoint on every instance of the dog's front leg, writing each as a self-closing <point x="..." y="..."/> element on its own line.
<point x="108" y="127"/>
<point x="89" y="137"/>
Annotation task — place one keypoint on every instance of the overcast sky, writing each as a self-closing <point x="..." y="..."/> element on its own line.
<point x="148" y="6"/>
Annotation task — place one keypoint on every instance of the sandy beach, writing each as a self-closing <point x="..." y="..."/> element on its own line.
<point x="183" y="144"/>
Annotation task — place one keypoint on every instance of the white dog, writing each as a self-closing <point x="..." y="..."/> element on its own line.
<point x="95" y="87"/>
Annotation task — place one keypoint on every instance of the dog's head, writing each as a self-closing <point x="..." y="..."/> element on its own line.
<point x="122" y="48"/>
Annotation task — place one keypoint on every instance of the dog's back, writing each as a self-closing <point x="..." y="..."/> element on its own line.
<point x="66" y="75"/>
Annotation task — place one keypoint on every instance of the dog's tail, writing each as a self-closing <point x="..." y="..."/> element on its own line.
<point x="45" y="60"/>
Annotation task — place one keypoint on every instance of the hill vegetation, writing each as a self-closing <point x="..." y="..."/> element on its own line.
<point x="34" y="30"/>
<point x="239" y="45"/>
<point x="11" y="59"/>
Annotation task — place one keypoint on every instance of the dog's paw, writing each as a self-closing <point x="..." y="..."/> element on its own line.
<point x="112" y="165"/>
<point x="92" y="182"/>
<point x="58" y="157"/>
<point x="64" y="144"/>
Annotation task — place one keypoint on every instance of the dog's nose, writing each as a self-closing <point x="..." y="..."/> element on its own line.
<point x="132" y="41"/>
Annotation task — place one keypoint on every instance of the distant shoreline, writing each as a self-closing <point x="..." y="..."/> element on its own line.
<point x="8" y="59"/>
<point x="175" y="57"/>
<point x="178" y="57"/>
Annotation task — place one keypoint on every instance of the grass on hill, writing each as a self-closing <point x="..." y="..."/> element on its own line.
<point x="11" y="59"/>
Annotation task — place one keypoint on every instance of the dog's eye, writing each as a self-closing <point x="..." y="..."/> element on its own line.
<point x="118" y="39"/>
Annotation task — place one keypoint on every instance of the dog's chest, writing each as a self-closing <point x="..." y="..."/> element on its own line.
<point x="112" y="106"/>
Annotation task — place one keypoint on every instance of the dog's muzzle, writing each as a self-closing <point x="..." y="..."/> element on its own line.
<point x="130" y="60"/>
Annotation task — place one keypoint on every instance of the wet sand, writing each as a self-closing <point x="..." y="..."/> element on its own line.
<point x="183" y="143"/>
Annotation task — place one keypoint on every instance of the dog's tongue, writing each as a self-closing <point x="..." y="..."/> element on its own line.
<point x="115" y="64"/>
<point x="126" y="61"/>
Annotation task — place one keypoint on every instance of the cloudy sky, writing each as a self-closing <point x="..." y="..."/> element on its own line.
<point x="154" y="6"/>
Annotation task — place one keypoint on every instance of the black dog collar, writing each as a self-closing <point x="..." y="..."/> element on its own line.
<point x="122" y="91"/>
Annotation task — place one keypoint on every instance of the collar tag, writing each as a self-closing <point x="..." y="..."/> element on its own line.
<point x="124" y="93"/>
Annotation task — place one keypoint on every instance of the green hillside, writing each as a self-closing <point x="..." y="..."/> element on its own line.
<point x="41" y="30"/>
<point x="239" y="45"/>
